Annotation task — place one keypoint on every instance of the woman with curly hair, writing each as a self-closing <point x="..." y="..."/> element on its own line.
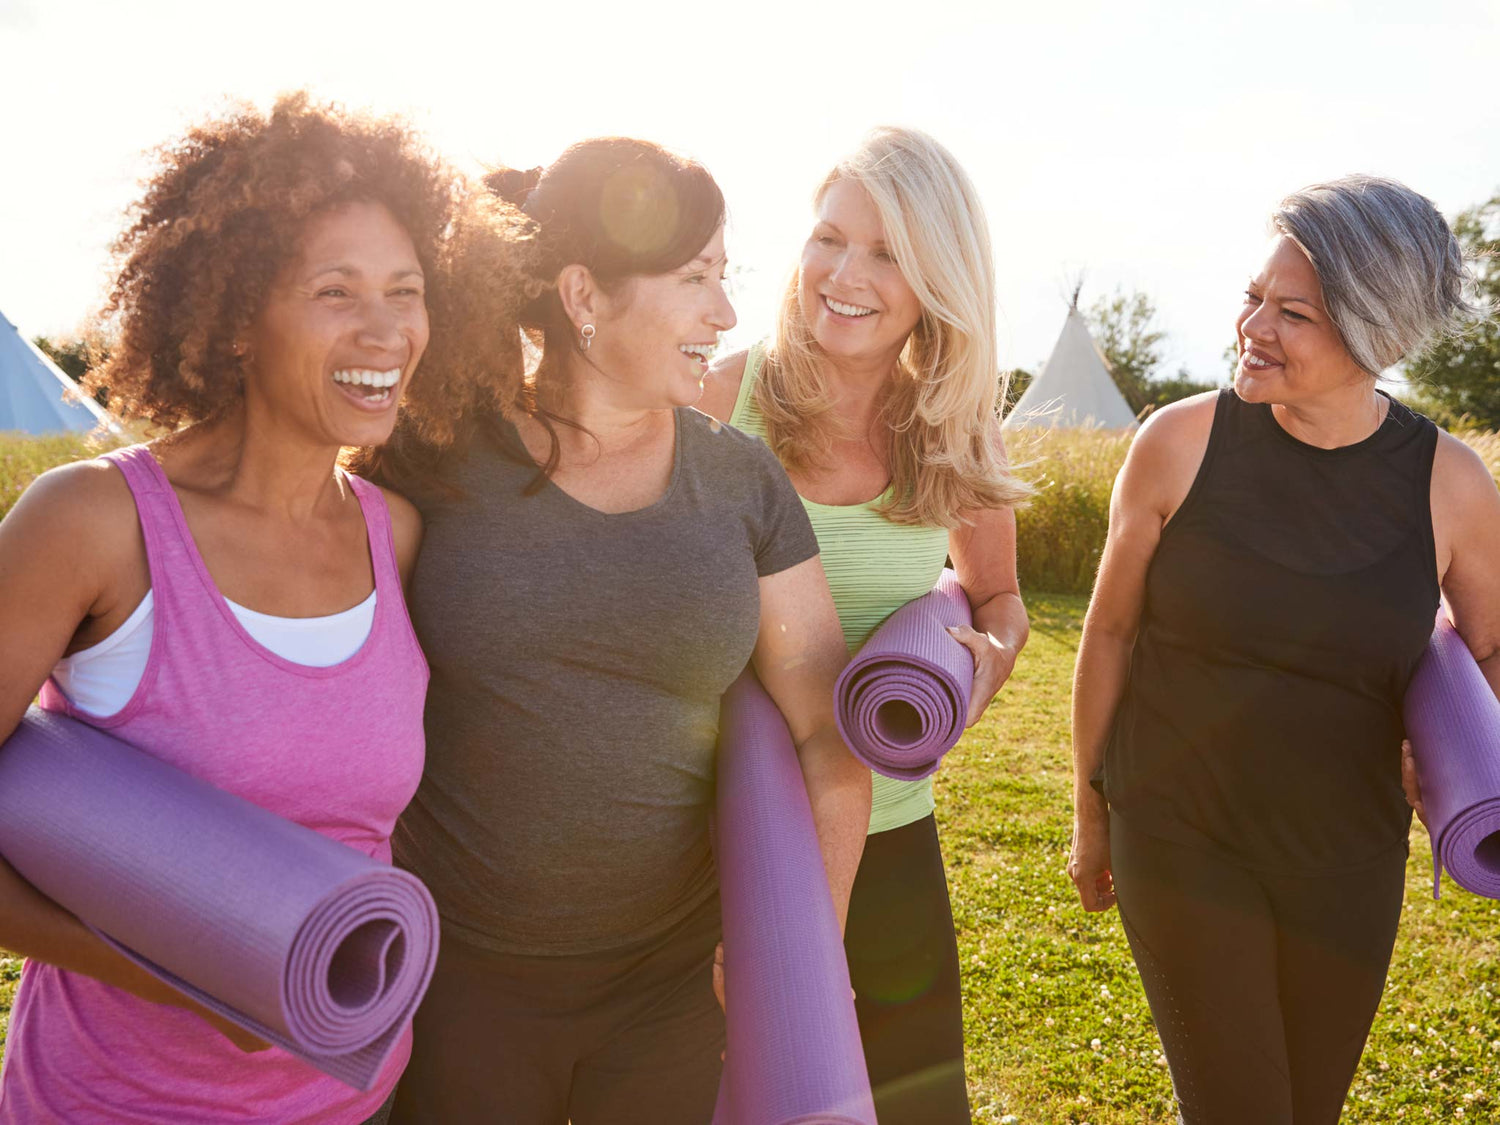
<point x="226" y="598"/>
<point x="879" y="394"/>
<point x="600" y="563"/>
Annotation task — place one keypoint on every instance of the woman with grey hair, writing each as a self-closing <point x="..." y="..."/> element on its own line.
<point x="1275" y="559"/>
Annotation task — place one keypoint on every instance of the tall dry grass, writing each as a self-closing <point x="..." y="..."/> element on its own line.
<point x="1060" y="535"/>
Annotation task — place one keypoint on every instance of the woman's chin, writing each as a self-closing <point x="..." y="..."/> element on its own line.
<point x="1251" y="387"/>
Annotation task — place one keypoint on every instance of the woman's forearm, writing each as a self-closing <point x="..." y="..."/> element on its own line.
<point x="1004" y="618"/>
<point x="1098" y="686"/>
<point x="838" y="787"/>
<point x="36" y="927"/>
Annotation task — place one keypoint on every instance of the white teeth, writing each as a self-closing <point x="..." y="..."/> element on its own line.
<point x="1252" y="361"/>
<point x="702" y="351"/>
<point x="363" y="377"/>
<point x="847" y="310"/>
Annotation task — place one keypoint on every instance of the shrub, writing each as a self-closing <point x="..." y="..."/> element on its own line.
<point x="1060" y="535"/>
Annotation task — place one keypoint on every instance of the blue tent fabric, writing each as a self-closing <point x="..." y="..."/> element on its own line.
<point x="35" y="396"/>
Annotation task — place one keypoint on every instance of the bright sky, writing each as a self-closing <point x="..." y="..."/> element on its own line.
<point x="1141" y="142"/>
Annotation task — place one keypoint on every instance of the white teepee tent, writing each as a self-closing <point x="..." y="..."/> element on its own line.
<point x="35" y="396"/>
<point x="1075" y="388"/>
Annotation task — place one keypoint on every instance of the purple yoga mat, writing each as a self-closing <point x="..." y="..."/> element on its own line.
<point x="307" y="943"/>
<point x="901" y="702"/>
<point x="794" y="1054"/>
<point x="1453" y="721"/>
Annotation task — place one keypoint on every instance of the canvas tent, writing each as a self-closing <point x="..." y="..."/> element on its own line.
<point x="1075" y="387"/>
<point x="34" y="394"/>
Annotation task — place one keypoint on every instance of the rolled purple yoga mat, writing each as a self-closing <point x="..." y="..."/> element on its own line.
<point x="794" y="1055"/>
<point x="1453" y="721"/>
<point x="901" y="702"/>
<point x="309" y="944"/>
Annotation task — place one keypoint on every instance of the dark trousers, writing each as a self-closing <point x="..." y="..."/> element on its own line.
<point x="903" y="963"/>
<point x="626" y="1037"/>
<point x="1263" y="987"/>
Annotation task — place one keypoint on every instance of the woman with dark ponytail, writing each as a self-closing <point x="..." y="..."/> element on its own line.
<point x="600" y="562"/>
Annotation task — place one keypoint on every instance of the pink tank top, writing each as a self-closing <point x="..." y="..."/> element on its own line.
<point x="337" y="749"/>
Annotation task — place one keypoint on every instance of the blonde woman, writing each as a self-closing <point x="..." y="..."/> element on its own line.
<point x="879" y="395"/>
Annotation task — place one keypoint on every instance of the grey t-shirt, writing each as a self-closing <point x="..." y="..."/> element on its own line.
<point x="577" y="662"/>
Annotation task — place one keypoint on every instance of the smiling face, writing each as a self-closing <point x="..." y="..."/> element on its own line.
<point x="341" y="330"/>
<point x="1290" y="350"/>
<point x="654" y="334"/>
<point x="852" y="295"/>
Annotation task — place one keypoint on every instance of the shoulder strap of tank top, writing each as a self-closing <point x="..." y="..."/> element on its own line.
<point x="382" y="539"/>
<point x="170" y="555"/>
<point x="746" y="415"/>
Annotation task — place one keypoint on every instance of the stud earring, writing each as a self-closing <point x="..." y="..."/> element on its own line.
<point x="585" y="337"/>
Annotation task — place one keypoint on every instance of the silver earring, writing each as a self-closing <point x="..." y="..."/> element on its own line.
<point x="585" y="337"/>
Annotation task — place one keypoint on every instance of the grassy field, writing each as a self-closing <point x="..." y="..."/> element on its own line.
<point x="1058" y="1029"/>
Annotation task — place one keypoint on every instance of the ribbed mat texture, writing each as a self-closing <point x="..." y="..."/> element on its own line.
<point x="901" y="702"/>
<point x="794" y="1054"/>
<point x="309" y="944"/>
<point x="1453" y="721"/>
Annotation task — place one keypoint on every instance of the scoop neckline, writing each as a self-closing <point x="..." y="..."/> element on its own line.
<point x="660" y="502"/>
<point x="1339" y="450"/>
<point x="221" y="602"/>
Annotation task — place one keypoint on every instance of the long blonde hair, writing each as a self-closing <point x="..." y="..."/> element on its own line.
<point x="943" y="405"/>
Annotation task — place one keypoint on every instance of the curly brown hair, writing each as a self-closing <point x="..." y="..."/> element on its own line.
<point x="223" y="216"/>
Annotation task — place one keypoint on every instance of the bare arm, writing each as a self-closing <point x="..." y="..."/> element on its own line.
<point x="1156" y="476"/>
<point x="798" y="656"/>
<point x="983" y="551"/>
<point x="71" y="569"/>
<point x="1466" y="525"/>
<point x="406" y="531"/>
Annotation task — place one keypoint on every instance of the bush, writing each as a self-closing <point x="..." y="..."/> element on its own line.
<point x="1060" y="535"/>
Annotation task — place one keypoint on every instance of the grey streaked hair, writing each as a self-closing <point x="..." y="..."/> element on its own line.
<point x="1393" y="275"/>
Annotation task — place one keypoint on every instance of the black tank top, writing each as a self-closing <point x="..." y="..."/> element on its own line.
<point x="1288" y="602"/>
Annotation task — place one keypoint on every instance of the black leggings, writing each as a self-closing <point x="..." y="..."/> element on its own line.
<point x="903" y="963"/>
<point x="626" y="1037"/>
<point x="1263" y="987"/>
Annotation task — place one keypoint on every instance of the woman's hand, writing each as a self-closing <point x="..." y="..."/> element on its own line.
<point x="719" y="974"/>
<point x="1410" y="783"/>
<point x="993" y="664"/>
<point x="1088" y="863"/>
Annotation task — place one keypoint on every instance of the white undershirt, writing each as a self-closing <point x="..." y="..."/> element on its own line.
<point x="101" y="678"/>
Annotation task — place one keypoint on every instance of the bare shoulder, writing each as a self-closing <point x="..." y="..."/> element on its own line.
<point x="1167" y="428"/>
<point x="721" y="386"/>
<point x="85" y="503"/>
<point x="406" y="530"/>
<point x="1459" y="475"/>
<point x="1167" y="452"/>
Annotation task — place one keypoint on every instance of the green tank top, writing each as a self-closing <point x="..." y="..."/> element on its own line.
<point x="874" y="567"/>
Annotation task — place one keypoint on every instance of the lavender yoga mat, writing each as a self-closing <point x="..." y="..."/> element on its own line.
<point x="307" y="943"/>
<point x="794" y="1054"/>
<point x="1453" y="721"/>
<point x="901" y="702"/>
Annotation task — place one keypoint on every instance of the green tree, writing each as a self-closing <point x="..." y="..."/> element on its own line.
<point x="1460" y="375"/>
<point x="1020" y="379"/>
<point x="1124" y="326"/>
<point x="1181" y="385"/>
<point x="76" y="356"/>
